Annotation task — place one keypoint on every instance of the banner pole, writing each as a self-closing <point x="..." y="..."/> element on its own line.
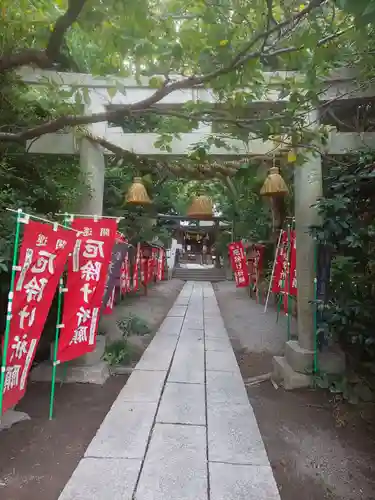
<point x="9" y="309"/>
<point x="273" y="270"/>
<point x="57" y="336"/>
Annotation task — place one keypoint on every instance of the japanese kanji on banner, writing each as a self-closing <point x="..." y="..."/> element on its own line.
<point x="161" y="264"/>
<point x="256" y="263"/>
<point x="86" y="281"/>
<point x="153" y="264"/>
<point x="293" y="264"/>
<point x="144" y="270"/>
<point x="238" y="261"/>
<point x="119" y="250"/>
<point x="125" y="275"/>
<point x="281" y="264"/>
<point x="285" y="276"/>
<point x="43" y="254"/>
<point x="136" y="268"/>
<point x="108" y="309"/>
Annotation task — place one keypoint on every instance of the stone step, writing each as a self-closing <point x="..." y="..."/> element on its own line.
<point x="200" y="274"/>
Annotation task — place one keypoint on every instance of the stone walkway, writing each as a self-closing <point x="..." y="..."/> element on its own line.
<point x="182" y="427"/>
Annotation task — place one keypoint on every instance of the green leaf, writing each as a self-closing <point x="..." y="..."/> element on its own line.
<point x="112" y="91"/>
<point x="155" y="82"/>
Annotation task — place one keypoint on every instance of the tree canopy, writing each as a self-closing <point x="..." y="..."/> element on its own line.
<point x="221" y="44"/>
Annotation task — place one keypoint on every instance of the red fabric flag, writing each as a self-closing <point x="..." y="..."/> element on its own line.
<point x="110" y="304"/>
<point x="160" y="264"/>
<point x="281" y="261"/>
<point x="238" y="261"/>
<point x="256" y="263"/>
<point x="87" y="276"/>
<point x="44" y="251"/>
<point x="125" y="268"/>
<point x="154" y="259"/>
<point x="293" y="264"/>
<point x="125" y="276"/>
<point x="136" y="268"/>
<point x="144" y="271"/>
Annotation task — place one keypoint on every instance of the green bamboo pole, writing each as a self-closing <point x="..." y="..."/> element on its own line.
<point x="9" y="310"/>
<point x="316" y="363"/>
<point x="57" y="337"/>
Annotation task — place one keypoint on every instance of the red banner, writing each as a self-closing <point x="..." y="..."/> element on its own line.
<point x="136" y="268"/>
<point x="293" y="264"/>
<point x="238" y="261"/>
<point x="285" y="276"/>
<point x="144" y="271"/>
<point x="256" y="263"/>
<point x="125" y="275"/>
<point x="110" y="304"/>
<point x="153" y="264"/>
<point x="87" y="275"/>
<point x="44" y="251"/>
<point x="161" y="264"/>
<point x="281" y="264"/>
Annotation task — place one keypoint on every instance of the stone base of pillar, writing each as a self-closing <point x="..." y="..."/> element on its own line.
<point x="12" y="417"/>
<point x="67" y="373"/>
<point x="284" y="374"/>
<point x="293" y="370"/>
<point x="300" y="359"/>
<point x="87" y="369"/>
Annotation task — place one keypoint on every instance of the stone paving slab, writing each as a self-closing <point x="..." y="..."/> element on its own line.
<point x="217" y="344"/>
<point x="171" y="325"/>
<point x="182" y="301"/>
<point x="98" y="479"/>
<point x="224" y="361"/>
<point x="188" y="364"/>
<point x="158" y="355"/>
<point x="182" y="404"/>
<point x="191" y="333"/>
<point x="155" y="441"/>
<point x="242" y="482"/>
<point x="143" y="386"/>
<point x="233" y="435"/>
<point x="178" y="311"/>
<point x="193" y="322"/>
<point x="124" y="432"/>
<point x="175" y="466"/>
<point x="226" y="389"/>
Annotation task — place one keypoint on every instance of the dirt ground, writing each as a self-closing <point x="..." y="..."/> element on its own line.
<point x="37" y="457"/>
<point x="319" y="450"/>
<point x="153" y="307"/>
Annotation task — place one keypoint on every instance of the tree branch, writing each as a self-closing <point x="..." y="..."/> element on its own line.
<point x="238" y="60"/>
<point x="45" y="58"/>
<point x="188" y="169"/>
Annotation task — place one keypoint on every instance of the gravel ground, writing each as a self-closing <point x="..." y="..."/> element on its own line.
<point x="318" y="450"/>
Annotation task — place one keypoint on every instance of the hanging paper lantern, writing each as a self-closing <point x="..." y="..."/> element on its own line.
<point x="137" y="194"/>
<point x="274" y="185"/>
<point x="201" y="207"/>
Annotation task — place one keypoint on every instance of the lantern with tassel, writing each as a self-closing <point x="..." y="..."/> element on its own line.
<point x="275" y="189"/>
<point x="274" y="185"/>
<point x="137" y="194"/>
<point x="201" y="207"/>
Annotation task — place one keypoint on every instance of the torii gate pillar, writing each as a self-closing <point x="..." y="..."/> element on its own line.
<point x="92" y="164"/>
<point x="295" y="368"/>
